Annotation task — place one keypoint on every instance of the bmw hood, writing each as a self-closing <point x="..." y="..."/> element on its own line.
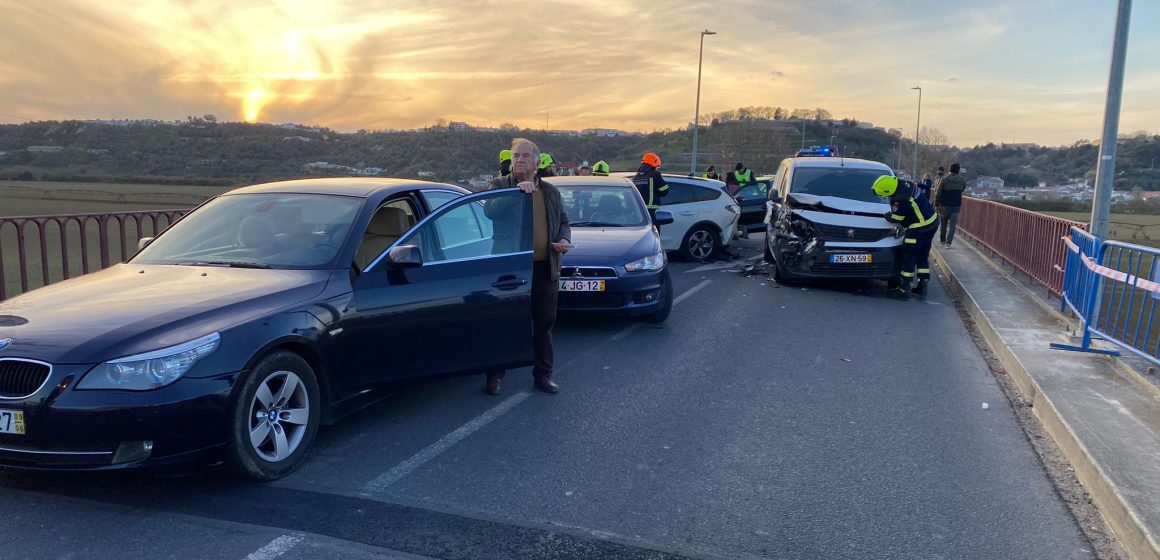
<point x="614" y="245"/>
<point x="127" y="309"/>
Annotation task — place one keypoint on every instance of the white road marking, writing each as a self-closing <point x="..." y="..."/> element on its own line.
<point x="380" y="484"/>
<point x="434" y="450"/>
<point x="724" y="264"/>
<point x="691" y="291"/>
<point x="275" y="548"/>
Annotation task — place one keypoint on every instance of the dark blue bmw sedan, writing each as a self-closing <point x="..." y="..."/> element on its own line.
<point x="617" y="264"/>
<point x="258" y="316"/>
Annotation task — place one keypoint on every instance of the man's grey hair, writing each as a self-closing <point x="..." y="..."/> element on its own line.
<point x="517" y="142"/>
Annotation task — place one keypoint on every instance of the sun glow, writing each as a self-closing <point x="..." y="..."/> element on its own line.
<point x="253" y="102"/>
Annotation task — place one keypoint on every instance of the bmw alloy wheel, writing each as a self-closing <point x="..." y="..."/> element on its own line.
<point x="279" y="416"/>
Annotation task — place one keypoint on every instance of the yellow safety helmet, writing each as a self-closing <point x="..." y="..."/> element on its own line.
<point x="546" y="161"/>
<point x="600" y="168"/>
<point x="885" y="186"/>
<point x="505" y="155"/>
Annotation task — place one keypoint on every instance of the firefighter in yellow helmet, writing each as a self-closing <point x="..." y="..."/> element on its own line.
<point x="546" y="166"/>
<point x="505" y="163"/>
<point x="600" y="168"/>
<point x="918" y="218"/>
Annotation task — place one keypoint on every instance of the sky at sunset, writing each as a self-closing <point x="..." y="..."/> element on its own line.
<point x="1015" y="71"/>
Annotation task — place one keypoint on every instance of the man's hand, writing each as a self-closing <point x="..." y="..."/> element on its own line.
<point x="527" y="186"/>
<point x="562" y="246"/>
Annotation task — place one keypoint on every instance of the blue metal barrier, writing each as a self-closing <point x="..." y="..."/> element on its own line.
<point x="1114" y="288"/>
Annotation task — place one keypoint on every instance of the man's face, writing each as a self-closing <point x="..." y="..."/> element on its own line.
<point x="524" y="160"/>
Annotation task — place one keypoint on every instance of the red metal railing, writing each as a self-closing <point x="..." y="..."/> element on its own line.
<point x="1030" y="241"/>
<point x="38" y="250"/>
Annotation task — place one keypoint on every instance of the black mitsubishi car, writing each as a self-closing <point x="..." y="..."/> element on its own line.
<point x="258" y="316"/>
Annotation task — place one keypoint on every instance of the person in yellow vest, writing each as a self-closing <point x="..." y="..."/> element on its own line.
<point x="505" y="163"/>
<point x="737" y="178"/>
<point x="711" y="173"/>
<point x="600" y="168"/>
<point x="547" y="166"/>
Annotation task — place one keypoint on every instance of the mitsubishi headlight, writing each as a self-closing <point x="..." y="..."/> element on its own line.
<point x="647" y="264"/>
<point x="150" y="370"/>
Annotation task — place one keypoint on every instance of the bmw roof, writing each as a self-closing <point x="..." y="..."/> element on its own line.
<point x="343" y="186"/>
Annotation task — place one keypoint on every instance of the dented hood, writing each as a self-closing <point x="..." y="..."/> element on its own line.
<point x="837" y="205"/>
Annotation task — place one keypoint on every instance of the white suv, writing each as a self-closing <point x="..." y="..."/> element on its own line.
<point x="704" y="216"/>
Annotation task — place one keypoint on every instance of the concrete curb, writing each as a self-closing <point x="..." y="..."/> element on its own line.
<point x="1119" y="514"/>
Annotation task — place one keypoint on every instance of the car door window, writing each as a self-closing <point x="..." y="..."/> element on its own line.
<point x="478" y="226"/>
<point x="437" y="198"/>
<point x="390" y="222"/>
<point x="705" y="194"/>
<point x="753" y="191"/>
<point x="679" y="193"/>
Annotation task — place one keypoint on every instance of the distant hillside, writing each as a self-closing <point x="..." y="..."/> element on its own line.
<point x="203" y="151"/>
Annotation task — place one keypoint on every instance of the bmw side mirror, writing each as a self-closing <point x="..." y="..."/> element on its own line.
<point x="405" y="256"/>
<point x="141" y="243"/>
<point x="663" y="217"/>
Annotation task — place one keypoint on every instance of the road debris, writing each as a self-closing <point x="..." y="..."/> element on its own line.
<point x="986" y="406"/>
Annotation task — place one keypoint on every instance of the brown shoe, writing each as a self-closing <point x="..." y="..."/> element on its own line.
<point x="545" y="384"/>
<point x="493" y="385"/>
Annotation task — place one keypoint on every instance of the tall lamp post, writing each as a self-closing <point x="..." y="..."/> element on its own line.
<point x="1106" y="167"/>
<point x="697" y="110"/>
<point x="917" y="130"/>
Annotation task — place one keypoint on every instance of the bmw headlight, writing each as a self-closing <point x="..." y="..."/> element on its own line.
<point x="647" y="264"/>
<point x="150" y="370"/>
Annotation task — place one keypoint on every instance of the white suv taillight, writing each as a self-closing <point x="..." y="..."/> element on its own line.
<point x="734" y="208"/>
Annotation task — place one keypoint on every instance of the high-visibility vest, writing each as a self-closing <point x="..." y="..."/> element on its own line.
<point x="743" y="178"/>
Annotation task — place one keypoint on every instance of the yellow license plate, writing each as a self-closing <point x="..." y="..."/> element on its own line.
<point x="12" y="422"/>
<point x="581" y="285"/>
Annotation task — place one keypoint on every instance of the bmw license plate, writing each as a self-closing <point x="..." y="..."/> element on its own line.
<point x="12" y="422"/>
<point x="581" y="285"/>
<point x="843" y="258"/>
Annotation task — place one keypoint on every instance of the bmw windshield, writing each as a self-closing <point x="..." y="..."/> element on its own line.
<point x="284" y="231"/>
<point x="841" y="182"/>
<point x="602" y="206"/>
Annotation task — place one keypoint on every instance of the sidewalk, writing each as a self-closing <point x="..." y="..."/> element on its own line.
<point x="1104" y="422"/>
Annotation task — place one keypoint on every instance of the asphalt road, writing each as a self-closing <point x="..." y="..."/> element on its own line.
<point x="759" y="422"/>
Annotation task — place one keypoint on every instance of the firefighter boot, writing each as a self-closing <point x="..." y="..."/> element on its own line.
<point x="903" y="289"/>
<point x="920" y="288"/>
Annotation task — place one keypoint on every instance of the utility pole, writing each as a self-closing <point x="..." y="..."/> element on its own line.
<point x="917" y="131"/>
<point x="697" y="110"/>
<point x="1106" y="167"/>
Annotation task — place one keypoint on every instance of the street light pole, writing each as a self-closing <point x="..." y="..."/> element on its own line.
<point x="1106" y="167"/>
<point x="697" y="110"/>
<point x="917" y="129"/>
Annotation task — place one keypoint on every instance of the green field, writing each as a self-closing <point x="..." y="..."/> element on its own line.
<point x="41" y="198"/>
<point x="1143" y="229"/>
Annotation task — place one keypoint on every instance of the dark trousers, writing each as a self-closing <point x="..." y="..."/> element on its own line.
<point x="545" y="293"/>
<point x="950" y="219"/>
<point x="916" y="253"/>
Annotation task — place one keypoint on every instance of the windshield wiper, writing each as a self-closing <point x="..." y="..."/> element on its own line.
<point x="231" y="264"/>
<point x="595" y="224"/>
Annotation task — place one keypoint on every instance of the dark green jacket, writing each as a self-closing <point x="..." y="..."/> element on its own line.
<point x="558" y="227"/>
<point x="949" y="192"/>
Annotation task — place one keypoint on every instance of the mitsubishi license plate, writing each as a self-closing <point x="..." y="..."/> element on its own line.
<point x="11" y="422"/>
<point x="843" y="258"/>
<point x="581" y="285"/>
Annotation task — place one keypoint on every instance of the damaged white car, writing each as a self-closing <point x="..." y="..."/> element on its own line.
<point x="823" y="221"/>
